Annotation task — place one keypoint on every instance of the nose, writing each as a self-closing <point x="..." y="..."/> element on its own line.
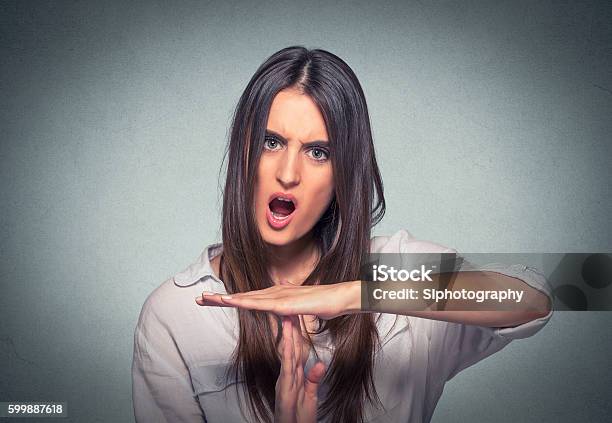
<point x="288" y="172"/>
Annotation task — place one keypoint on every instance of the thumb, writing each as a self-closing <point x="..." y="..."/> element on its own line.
<point x="315" y="374"/>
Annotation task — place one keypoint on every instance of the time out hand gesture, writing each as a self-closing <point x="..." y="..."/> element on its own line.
<point x="324" y="301"/>
<point x="296" y="397"/>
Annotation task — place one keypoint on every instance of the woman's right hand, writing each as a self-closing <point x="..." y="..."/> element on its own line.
<point x="296" y="396"/>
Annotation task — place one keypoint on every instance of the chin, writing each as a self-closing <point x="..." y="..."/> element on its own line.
<point x="276" y="238"/>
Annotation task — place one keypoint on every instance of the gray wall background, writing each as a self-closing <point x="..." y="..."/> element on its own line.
<point x="492" y="127"/>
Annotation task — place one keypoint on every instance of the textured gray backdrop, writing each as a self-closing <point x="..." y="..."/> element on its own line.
<point x="492" y="127"/>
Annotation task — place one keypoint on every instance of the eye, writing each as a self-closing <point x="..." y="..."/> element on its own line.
<point x="319" y="154"/>
<point x="271" y="143"/>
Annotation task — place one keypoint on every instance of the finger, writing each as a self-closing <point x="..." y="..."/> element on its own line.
<point x="299" y="377"/>
<point x="211" y="300"/>
<point x="313" y="379"/>
<point x="282" y="287"/>
<point x="255" y="293"/>
<point x="287" y="353"/>
<point x="213" y="296"/>
<point x="291" y="344"/>
<point x="272" y="304"/>
<point x="267" y="294"/>
<point x="297" y="339"/>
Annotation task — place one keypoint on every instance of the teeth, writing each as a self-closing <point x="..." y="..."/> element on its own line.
<point x="284" y="199"/>
<point x="279" y="216"/>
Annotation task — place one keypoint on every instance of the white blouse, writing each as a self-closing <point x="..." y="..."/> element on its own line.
<point x="182" y="350"/>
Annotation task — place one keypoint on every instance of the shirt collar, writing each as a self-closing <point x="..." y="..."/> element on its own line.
<point x="200" y="269"/>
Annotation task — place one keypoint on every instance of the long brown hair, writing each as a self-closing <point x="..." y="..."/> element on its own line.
<point x="342" y="233"/>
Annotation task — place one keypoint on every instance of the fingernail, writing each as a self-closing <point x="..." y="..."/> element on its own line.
<point x="207" y="293"/>
<point x="226" y="297"/>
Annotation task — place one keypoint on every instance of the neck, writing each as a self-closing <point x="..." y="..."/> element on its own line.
<point x="294" y="262"/>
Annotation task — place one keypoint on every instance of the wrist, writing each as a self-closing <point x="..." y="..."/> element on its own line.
<point x="352" y="295"/>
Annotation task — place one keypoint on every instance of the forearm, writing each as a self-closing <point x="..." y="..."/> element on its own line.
<point x="533" y="304"/>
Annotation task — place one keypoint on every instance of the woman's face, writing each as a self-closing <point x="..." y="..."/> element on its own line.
<point x="294" y="184"/>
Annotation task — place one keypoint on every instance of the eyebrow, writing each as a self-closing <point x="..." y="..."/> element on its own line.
<point x="316" y="143"/>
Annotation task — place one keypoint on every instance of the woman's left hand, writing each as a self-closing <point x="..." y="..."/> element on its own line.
<point x="324" y="301"/>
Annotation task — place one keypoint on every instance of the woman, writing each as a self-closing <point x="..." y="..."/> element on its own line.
<point x="302" y="193"/>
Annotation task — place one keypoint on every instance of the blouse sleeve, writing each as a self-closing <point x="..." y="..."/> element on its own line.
<point x="161" y="386"/>
<point x="455" y="346"/>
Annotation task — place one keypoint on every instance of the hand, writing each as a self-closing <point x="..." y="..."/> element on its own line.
<point x="296" y="398"/>
<point x="323" y="301"/>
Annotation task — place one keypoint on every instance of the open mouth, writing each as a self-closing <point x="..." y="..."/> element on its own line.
<point x="281" y="207"/>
